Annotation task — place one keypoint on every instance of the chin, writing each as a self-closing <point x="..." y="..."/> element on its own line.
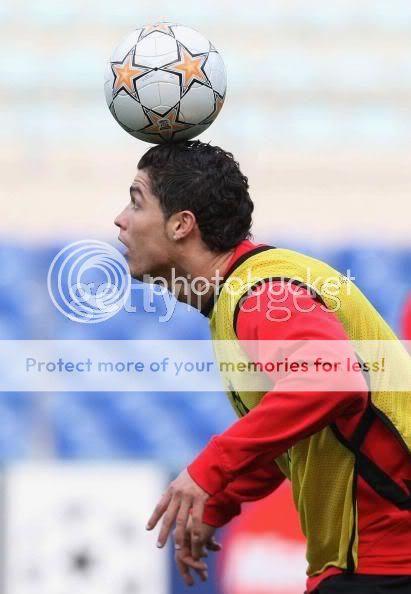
<point x="144" y="274"/>
<point x="138" y="274"/>
<point x="134" y="273"/>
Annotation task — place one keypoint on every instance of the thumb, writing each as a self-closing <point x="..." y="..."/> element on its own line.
<point x="213" y="545"/>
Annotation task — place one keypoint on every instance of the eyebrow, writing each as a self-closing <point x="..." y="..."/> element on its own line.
<point x="134" y="189"/>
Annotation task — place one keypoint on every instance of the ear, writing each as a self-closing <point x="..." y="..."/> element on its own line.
<point x="181" y="224"/>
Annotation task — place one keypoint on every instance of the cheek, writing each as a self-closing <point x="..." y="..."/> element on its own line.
<point x="146" y="232"/>
<point x="136" y="224"/>
<point x="156" y="247"/>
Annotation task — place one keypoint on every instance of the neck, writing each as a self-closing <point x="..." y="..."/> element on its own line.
<point x="200" y="276"/>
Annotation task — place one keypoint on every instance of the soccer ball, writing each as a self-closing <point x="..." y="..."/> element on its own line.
<point x="165" y="82"/>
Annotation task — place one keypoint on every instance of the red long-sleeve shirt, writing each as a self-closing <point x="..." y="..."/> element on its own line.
<point x="237" y="466"/>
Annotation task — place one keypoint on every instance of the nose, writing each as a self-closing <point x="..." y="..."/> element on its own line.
<point x="120" y="220"/>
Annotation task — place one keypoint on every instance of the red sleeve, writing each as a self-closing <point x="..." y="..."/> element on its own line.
<point x="222" y="507"/>
<point x="292" y="410"/>
<point x="406" y="320"/>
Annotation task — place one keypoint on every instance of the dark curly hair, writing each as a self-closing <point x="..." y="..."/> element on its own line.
<point x="206" y="180"/>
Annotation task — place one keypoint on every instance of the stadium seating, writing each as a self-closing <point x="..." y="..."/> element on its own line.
<point x="166" y="426"/>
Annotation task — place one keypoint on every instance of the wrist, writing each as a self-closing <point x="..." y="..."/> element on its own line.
<point x="207" y="470"/>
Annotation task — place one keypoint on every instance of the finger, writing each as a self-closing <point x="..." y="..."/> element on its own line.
<point x="200" y="567"/>
<point x="181" y="536"/>
<point x="202" y="573"/>
<point x="187" y="540"/>
<point x="196" y="519"/>
<point x="159" y="510"/>
<point x="184" y="571"/>
<point x="213" y="545"/>
<point x="197" y="565"/>
<point x="184" y="567"/>
<point x="168" y="521"/>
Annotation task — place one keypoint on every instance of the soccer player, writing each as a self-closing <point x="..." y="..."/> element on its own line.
<point x="345" y="448"/>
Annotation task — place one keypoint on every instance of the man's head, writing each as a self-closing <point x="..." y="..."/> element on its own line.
<point x="184" y="194"/>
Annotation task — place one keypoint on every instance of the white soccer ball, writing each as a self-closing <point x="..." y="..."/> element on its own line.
<point x="165" y="82"/>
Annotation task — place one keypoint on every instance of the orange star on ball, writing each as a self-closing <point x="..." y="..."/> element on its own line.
<point x="126" y="73"/>
<point x="165" y="125"/>
<point x="218" y="104"/>
<point x="190" y="67"/>
<point x="160" y="27"/>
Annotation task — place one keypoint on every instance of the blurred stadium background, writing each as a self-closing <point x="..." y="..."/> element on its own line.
<point x="318" y="113"/>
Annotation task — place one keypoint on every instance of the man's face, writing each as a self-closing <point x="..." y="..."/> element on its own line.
<point x="143" y="230"/>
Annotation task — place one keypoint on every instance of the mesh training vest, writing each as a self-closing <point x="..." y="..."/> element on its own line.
<point x="322" y="467"/>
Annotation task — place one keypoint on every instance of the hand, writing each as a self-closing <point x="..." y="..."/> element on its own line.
<point x="182" y="497"/>
<point x="184" y="558"/>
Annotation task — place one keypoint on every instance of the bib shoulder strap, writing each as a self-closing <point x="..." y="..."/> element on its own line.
<point x="209" y="305"/>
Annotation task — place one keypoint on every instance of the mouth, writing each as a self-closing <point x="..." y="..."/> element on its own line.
<point x="126" y="251"/>
<point x="123" y="242"/>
